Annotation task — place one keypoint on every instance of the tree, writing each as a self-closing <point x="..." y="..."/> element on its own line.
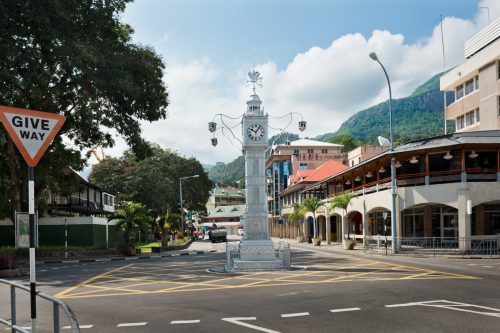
<point x="342" y="202"/>
<point x="347" y="141"/>
<point x="294" y="218"/>
<point x="76" y="58"/>
<point x="130" y="217"/>
<point x="173" y="224"/>
<point x="311" y="205"/>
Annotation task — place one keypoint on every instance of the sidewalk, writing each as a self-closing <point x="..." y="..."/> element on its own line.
<point x="333" y="247"/>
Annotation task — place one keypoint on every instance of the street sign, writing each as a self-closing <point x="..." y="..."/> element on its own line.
<point x="31" y="131"/>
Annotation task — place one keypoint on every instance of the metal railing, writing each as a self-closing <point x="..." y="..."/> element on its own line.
<point x="55" y="310"/>
<point x="432" y="246"/>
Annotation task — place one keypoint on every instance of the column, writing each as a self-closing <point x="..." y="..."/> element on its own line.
<point x="464" y="231"/>
<point x="364" y="222"/>
<point x="328" y="228"/>
<point x="344" y="229"/>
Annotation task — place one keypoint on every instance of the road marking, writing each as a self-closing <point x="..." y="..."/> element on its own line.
<point x="298" y="314"/>
<point x="238" y="321"/>
<point x="195" y="321"/>
<point x="80" y="326"/>
<point x="132" y="324"/>
<point x="487" y="266"/>
<point x="345" y="310"/>
<point x="456" y="306"/>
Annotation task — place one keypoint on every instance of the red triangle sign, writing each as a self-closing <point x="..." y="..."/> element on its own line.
<point x="31" y="131"/>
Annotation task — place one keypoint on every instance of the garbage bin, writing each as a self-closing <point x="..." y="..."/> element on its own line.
<point x="131" y="251"/>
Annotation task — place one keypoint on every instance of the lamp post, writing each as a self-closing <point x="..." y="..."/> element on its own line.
<point x="373" y="56"/>
<point x="180" y="192"/>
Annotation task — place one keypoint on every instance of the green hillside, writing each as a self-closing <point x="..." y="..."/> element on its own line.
<point x="417" y="116"/>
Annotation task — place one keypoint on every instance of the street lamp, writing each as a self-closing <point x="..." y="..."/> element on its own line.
<point x="180" y="191"/>
<point x="373" y="56"/>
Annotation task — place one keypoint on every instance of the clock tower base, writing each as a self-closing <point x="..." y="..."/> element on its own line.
<point x="256" y="255"/>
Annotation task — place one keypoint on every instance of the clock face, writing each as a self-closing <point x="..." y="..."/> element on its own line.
<point x="255" y="132"/>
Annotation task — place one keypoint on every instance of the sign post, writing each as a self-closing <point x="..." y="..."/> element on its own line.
<point x="32" y="133"/>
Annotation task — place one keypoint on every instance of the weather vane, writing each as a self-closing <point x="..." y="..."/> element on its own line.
<point x="255" y="79"/>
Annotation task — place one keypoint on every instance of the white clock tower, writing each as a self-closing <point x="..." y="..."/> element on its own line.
<point x="256" y="248"/>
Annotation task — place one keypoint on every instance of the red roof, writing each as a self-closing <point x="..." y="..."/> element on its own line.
<point x="324" y="171"/>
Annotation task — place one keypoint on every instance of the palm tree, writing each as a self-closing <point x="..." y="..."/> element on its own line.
<point x="311" y="205"/>
<point x="132" y="216"/>
<point x="295" y="217"/>
<point x="342" y="202"/>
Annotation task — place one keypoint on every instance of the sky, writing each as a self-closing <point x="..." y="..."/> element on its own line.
<point x="312" y="55"/>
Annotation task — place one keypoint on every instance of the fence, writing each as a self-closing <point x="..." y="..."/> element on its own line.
<point x="432" y="246"/>
<point x="56" y="304"/>
<point x="281" y="252"/>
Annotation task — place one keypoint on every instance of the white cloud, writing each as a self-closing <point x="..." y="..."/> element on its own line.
<point x="326" y="85"/>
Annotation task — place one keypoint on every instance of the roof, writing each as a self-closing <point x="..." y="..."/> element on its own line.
<point x="308" y="143"/>
<point x="443" y="141"/>
<point x="325" y="170"/>
<point x="322" y="172"/>
<point x="227" y="211"/>
<point x="229" y="191"/>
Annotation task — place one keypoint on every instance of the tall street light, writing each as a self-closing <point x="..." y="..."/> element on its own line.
<point x="180" y="191"/>
<point x="373" y="55"/>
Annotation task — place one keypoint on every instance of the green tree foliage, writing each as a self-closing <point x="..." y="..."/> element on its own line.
<point x="311" y="205"/>
<point x="130" y="217"/>
<point x="347" y="141"/>
<point x="342" y="202"/>
<point x="294" y="218"/>
<point x="228" y="174"/>
<point x="76" y="58"/>
<point x="154" y="181"/>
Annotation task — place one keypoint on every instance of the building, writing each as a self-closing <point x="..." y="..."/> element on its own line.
<point x="292" y="197"/>
<point x="296" y="159"/>
<point x="476" y="103"/>
<point x="227" y="217"/>
<point x="225" y="196"/>
<point x="363" y="153"/>
<point x="448" y="191"/>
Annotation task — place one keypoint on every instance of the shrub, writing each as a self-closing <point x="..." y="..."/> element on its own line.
<point x="7" y="261"/>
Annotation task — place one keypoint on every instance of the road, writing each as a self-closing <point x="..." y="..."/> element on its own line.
<point x="327" y="291"/>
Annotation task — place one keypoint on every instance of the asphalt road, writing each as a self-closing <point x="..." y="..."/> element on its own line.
<point x="330" y="292"/>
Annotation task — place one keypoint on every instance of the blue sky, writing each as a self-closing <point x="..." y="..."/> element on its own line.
<point x="313" y="56"/>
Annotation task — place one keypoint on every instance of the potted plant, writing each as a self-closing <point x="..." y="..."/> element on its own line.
<point x="311" y="205"/>
<point x="342" y="202"/>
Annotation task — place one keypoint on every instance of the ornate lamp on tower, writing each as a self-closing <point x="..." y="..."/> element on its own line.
<point x="256" y="251"/>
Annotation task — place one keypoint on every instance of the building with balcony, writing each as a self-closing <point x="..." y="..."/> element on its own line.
<point x="293" y="161"/>
<point x="448" y="190"/>
<point x="475" y="83"/>
<point x="225" y="196"/>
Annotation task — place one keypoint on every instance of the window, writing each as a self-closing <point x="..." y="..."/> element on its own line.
<point x="460" y="122"/>
<point x="469" y="118"/>
<point x="310" y="151"/>
<point x="324" y="151"/>
<point x="303" y="166"/>
<point x="295" y="151"/>
<point x="469" y="86"/>
<point x="459" y="92"/>
<point x="477" y="82"/>
<point x="477" y="115"/>
<point x="499" y="106"/>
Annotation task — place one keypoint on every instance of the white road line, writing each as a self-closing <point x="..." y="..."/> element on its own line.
<point x="291" y="315"/>
<point x="482" y="310"/>
<point x="80" y="326"/>
<point x="43" y="270"/>
<point x="132" y="324"/>
<point x="412" y="304"/>
<point x="345" y="310"/>
<point x="487" y="266"/>
<point x="195" y="321"/>
<point x="237" y="321"/>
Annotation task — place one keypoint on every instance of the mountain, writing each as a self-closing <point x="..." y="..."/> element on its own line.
<point x="414" y="117"/>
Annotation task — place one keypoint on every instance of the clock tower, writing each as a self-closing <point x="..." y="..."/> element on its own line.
<point x="256" y="248"/>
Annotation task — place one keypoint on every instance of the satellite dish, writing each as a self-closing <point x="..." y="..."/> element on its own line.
<point x="384" y="142"/>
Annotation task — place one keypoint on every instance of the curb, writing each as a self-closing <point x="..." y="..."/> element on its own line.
<point x="88" y="260"/>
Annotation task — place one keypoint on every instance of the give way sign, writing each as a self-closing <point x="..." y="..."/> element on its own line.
<point x="31" y="131"/>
